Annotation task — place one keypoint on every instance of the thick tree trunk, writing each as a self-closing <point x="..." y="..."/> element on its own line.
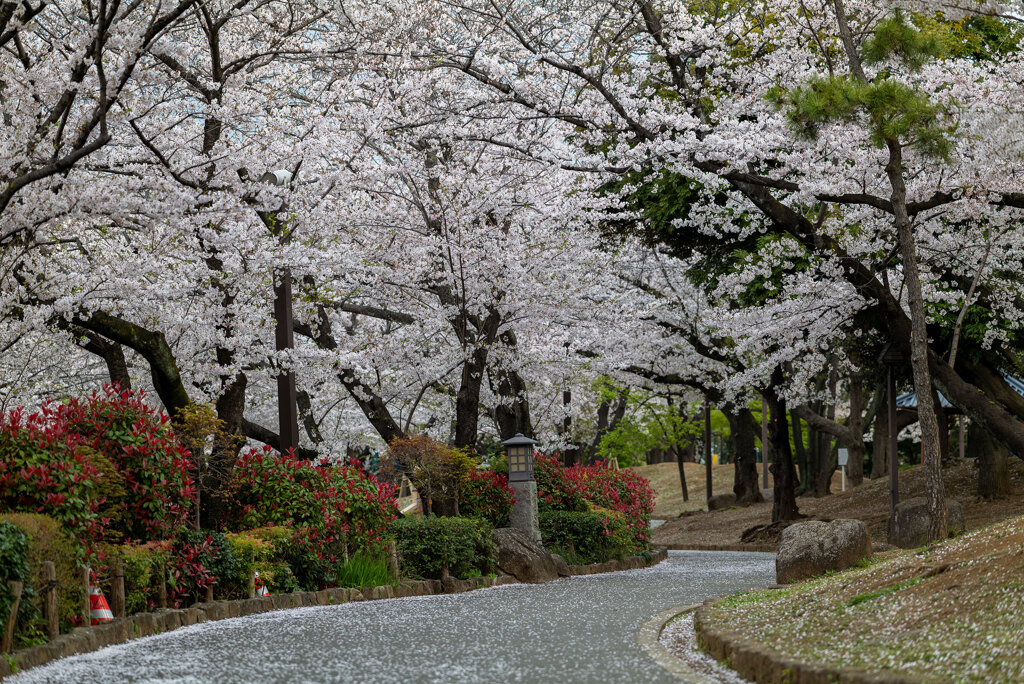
<point x="513" y="410"/>
<point x="784" y="503"/>
<point x="745" y="484"/>
<point x="467" y="401"/>
<point x="855" y="464"/>
<point x="918" y="348"/>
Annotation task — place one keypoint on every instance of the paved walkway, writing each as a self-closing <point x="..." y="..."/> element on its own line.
<point x="580" y="629"/>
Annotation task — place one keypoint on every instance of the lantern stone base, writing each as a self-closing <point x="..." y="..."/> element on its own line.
<point x="524" y="512"/>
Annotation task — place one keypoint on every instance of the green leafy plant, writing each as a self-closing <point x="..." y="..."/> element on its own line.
<point x="48" y="540"/>
<point x="429" y="546"/>
<point x="365" y="570"/>
<point x="583" y="538"/>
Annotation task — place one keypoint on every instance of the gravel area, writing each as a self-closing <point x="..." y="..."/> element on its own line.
<point x="579" y="629"/>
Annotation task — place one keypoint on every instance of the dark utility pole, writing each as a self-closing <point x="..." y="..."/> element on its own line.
<point x="707" y="444"/>
<point x="284" y="332"/>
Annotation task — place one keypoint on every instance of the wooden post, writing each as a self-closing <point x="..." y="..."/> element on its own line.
<point x="8" y="639"/>
<point x="252" y="584"/>
<point x="707" y="447"/>
<point x="393" y="560"/>
<point x="161" y="587"/>
<point x="117" y="606"/>
<point x="86" y="603"/>
<point x="50" y="600"/>
<point x="208" y="593"/>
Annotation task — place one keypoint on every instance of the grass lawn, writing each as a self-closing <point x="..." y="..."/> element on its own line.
<point x="951" y="611"/>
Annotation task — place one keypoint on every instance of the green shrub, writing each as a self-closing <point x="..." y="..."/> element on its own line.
<point x="365" y="570"/>
<point x="583" y="538"/>
<point x="143" y="565"/>
<point x="14" y="568"/>
<point x="486" y="494"/>
<point x="48" y="540"/>
<point x="429" y="545"/>
<point x="257" y="551"/>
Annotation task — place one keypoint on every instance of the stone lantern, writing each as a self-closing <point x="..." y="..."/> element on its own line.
<point x="519" y="450"/>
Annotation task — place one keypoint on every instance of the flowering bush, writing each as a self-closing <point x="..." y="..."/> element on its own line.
<point x="334" y="510"/>
<point x="106" y="467"/>
<point x="43" y="470"/>
<point x="486" y="495"/>
<point x="558" y="488"/>
<point x="583" y="488"/>
<point x="198" y="559"/>
<point x="139" y="442"/>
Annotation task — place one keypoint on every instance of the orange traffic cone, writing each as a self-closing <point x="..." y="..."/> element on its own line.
<point x="98" y="604"/>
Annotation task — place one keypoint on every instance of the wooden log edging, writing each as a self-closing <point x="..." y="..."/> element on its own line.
<point x="87" y="639"/>
<point x="758" y="663"/>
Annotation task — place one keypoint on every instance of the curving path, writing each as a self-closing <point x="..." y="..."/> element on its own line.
<point x="580" y="629"/>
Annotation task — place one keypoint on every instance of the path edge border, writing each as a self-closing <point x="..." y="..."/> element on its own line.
<point x="649" y="639"/>
<point x="82" y="640"/>
<point x="758" y="663"/>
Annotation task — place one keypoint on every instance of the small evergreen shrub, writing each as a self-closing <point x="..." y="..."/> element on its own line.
<point x="199" y="559"/>
<point x="49" y="541"/>
<point x="427" y="546"/>
<point x="14" y="567"/>
<point x="583" y="538"/>
<point x="486" y="495"/>
<point x="142" y="565"/>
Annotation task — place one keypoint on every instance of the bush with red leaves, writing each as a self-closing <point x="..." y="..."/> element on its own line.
<point x="486" y="494"/>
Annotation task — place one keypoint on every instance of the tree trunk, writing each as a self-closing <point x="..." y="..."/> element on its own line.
<point x="879" y="444"/>
<point x="784" y="503"/>
<point x="994" y="481"/>
<point x="798" y="443"/>
<point x="467" y="401"/>
<point x="918" y="348"/>
<point x="680" y="460"/>
<point x="745" y="483"/>
<point x="855" y="464"/>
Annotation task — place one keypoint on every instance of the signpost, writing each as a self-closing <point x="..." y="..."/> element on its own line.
<point x="844" y="457"/>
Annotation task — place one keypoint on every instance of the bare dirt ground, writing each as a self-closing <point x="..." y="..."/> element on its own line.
<point x="869" y="502"/>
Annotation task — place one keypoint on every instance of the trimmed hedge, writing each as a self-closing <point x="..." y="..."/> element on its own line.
<point x="583" y="538"/>
<point x="429" y="545"/>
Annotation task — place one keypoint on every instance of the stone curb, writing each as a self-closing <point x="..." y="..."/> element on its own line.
<point x="87" y="639"/>
<point x="649" y="639"/>
<point x="755" y="548"/>
<point x="758" y="663"/>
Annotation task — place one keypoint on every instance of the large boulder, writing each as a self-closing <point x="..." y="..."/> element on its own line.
<point x="561" y="567"/>
<point x="909" y="528"/>
<point x="525" y="559"/>
<point x="814" y="547"/>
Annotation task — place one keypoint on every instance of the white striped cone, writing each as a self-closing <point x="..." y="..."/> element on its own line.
<point x="261" y="588"/>
<point x="98" y="604"/>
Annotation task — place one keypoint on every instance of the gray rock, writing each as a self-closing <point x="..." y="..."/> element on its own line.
<point x="811" y="548"/>
<point x="909" y="528"/>
<point x="522" y="557"/>
<point x="560" y="565"/>
<point x="721" y="501"/>
<point x="524" y="515"/>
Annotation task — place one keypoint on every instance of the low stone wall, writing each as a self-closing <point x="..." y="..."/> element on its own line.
<point x="628" y="563"/>
<point x="758" y="663"/>
<point x="87" y="639"/>
<point x="760" y="548"/>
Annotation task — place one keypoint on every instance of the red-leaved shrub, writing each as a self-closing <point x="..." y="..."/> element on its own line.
<point x="335" y="510"/>
<point x="580" y="488"/>
<point x="486" y="494"/>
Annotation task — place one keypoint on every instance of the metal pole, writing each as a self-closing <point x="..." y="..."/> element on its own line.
<point x="287" y="410"/>
<point x="894" y="467"/>
<point x="707" y="445"/>
<point x="764" y="444"/>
